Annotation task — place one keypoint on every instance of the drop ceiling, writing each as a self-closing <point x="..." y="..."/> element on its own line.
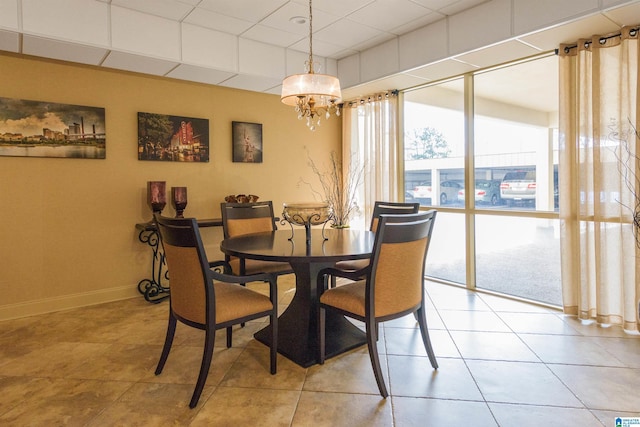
<point x="253" y="44"/>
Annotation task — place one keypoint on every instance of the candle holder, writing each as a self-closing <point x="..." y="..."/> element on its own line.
<point x="156" y="195"/>
<point x="179" y="200"/>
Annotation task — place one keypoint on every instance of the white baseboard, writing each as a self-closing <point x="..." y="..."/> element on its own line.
<point x="49" y="305"/>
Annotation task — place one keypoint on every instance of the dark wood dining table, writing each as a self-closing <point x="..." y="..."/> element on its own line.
<point x="297" y="325"/>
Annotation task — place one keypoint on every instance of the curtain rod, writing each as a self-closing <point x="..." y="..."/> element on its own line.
<point x="602" y="40"/>
<point x="369" y="98"/>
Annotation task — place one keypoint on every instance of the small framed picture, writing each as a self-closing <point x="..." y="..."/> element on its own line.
<point x="247" y="142"/>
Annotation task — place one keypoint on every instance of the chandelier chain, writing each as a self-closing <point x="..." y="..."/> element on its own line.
<point x="310" y="38"/>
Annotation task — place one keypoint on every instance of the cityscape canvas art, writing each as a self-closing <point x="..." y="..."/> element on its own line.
<point x="168" y="138"/>
<point x="48" y="129"/>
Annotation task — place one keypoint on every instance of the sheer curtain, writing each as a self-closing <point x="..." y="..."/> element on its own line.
<point x="370" y="137"/>
<point x="599" y="177"/>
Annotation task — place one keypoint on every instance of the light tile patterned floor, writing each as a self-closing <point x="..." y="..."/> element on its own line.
<point x="502" y="363"/>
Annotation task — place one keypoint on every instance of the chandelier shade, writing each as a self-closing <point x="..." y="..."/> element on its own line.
<point x="323" y="87"/>
<point x="312" y="94"/>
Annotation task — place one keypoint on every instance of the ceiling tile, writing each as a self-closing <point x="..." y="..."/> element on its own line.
<point x="388" y="83"/>
<point x="498" y="54"/>
<point x="169" y="9"/>
<point x="569" y="33"/>
<point x="320" y="48"/>
<point x="626" y="15"/>
<point x="481" y="26"/>
<point x="209" y="48"/>
<point x="532" y="15"/>
<point x="9" y="14"/>
<point x="424" y="45"/>
<point x="261" y="59"/>
<point x="338" y="8"/>
<point x="281" y="19"/>
<point x="56" y="49"/>
<point x="59" y="19"/>
<point x="250" y="10"/>
<point x="138" y="63"/>
<point x="271" y="35"/>
<point x="442" y="69"/>
<point x="451" y="8"/>
<point x="247" y="82"/>
<point x="138" y="32"/>
<point x="9" y="41"/>
<point x="216" y="21"/>
<point x="346" y="33"/>
<point x="199" y="74"/>
<point x="372" y="68"/>
<point x="388" y="14"/>
<point x="418" y="23"/>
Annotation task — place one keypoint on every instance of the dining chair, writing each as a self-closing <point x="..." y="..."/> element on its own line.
<point x="393" y="284"/>
<point x="205" y="295"/>
<point x="244" y="218"/>
<point x="379" y="208"/>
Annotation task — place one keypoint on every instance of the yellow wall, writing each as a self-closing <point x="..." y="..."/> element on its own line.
<point x="67" y="226"/>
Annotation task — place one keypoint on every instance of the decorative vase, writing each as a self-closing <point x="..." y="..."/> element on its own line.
<point x="306" y="214"/>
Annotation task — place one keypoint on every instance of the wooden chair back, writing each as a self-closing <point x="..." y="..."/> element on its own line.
<point x="396" y="282"/>
<point x="391" y="208"/>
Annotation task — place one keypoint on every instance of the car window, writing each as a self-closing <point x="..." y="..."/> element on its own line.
<point x="520" y="176"/>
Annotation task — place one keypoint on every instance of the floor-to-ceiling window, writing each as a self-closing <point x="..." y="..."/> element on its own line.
<point x="490" y="167"/>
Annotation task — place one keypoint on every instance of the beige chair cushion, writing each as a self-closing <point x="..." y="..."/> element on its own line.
<point x="253" y="266"/>
<point x="398" y="282"/>
<point x="234" y="301"/>
<point x="352" y="264"/>
<point x="238" y="227"/>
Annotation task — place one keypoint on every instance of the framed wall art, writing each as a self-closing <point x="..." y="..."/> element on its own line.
<point x="48" y="129"/>
<point x="247" y="142"/>
<point x="168" y="138"/>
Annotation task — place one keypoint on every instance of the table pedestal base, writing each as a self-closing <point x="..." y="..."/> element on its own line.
<point x="297" y="326"/>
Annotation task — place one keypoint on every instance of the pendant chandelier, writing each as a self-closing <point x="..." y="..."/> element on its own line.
<point x="312" y="94"/>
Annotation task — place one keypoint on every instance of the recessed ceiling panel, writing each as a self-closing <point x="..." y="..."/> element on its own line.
<point x="199" y="74"/>
<point x="138" y="63"/>
<point x="247" y="82"/>
<point x="10" y="41"/>
<point x="56" y="49"/>
<point x="169" y="9"/>
<point x="498" y="54"/>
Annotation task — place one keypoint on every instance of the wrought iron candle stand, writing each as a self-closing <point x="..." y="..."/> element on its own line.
<point x="306" y="214"/>
<point x="152" y="288"/>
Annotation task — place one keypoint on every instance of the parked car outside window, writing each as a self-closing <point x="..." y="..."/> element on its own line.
<point x="448" y="192"/>
<point x="518" y="185"/>
<point x="487" y="191"/>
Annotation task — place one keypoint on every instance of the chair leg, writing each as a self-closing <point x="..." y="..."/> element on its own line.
<point x="422" y="321"/>
<point x="372" y="337"/>
<point x="207" y="355"/>
<point x="321" y="334"/>
<point x="229" y="337"/>
<point x="274" y="340"/>
<point x="171" y="331"/>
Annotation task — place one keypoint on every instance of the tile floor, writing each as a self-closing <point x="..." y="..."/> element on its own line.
<point x="502" y="363"/>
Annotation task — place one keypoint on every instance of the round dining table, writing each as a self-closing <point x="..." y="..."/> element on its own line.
<point x="297" y="325"/>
